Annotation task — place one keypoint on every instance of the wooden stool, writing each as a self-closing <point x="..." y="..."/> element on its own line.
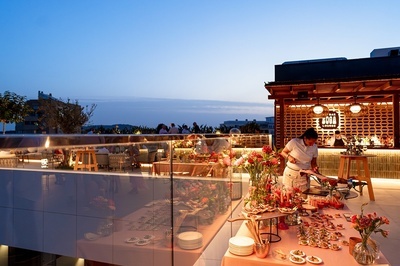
<point x="88" y="159"/>
<point x="344" y="172"/>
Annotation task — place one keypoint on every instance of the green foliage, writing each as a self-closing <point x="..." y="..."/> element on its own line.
<point x="13" y="108"/>
<point x="68" y="116"/>
<point x="251" y="127"/>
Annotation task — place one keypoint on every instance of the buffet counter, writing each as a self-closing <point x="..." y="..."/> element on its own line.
<point x="125" y="244"/>
<point x="289" y="241"/>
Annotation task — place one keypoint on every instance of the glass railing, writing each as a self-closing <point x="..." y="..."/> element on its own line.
<point x="120" y="199"/>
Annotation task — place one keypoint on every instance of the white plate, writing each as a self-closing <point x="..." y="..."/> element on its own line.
<point x="132" y="240"/>
<point x="297" y="252"/>
<point x="297" y="259"/>
<point x="190" y="236"/>
<point x="287" y="210"/>
<point x="309" y="207"/>
<point x="241" y="241"/>
<point x="92" y="236"/>
<point x="148" y="237"/>
<point x="142" y="242"/>
<point x="315" y="260"/>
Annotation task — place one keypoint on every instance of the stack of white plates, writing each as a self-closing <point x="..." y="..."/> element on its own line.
<point x="241" y="245"/>
<point x="190" y="240"/>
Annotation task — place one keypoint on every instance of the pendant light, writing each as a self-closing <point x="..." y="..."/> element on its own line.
<point x="356" y="109"/>
<point x="318" y="110"/>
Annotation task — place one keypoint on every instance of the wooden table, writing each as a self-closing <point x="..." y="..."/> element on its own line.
<point x="86" y="160"/>
<point x="290" y="242"/>
<point x="345" y="165"/>
<point x="191" y="169"/>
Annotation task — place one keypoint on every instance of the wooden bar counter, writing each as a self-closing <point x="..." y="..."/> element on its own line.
<point x="384" y="164"/>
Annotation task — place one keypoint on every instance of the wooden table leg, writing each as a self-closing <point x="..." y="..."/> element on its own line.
<point x="347" y="173"/>
<point x="367" y="178"/>
<point x="359" y="176"/>
<point x="341" y="167"/>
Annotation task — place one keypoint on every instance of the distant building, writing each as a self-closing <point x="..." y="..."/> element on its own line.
<point x="31" y="124"/>
<point x="266" y="126"/>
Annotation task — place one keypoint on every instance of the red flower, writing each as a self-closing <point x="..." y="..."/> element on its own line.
<point x="267" y="149"/>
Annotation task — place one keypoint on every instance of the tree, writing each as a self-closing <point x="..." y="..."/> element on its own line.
<point x="66" y="116"/>
<point x="251" y="127"/>
<point x="13" y="108"/>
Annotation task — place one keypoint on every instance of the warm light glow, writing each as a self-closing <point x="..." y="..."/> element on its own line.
<point x="47" y="143"/>
<point x="3" y="255"/>
<point x="355" y="108"/>
<point x="318" y="109"/>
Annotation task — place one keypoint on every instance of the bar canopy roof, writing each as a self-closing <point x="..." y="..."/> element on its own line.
<point x="373" y="79"/>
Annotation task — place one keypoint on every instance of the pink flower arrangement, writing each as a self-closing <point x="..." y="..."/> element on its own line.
<point x="368" y="224"/>
<point x="259" y="164"/>
<point x="263" y="170"/>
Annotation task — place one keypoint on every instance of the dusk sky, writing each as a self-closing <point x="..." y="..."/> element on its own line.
<point x="148" y="62"/>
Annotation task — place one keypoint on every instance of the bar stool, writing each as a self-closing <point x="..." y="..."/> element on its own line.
<point x="345" y="164"/>
<point x="88" y="159"/>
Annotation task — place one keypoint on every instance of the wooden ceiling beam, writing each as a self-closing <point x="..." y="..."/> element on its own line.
<point x="334" y="95"/>
<point x="384" y="86"/>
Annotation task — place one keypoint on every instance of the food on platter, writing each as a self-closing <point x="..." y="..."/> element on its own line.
<point x="330" y="227"/>
<point x="333" y="237"/>
<point x="142" y="242"/>
<point x="288" y="210"/>
<point x="323" y="244"/>
<point x="258" y="209"/>
<point x="339" y="234"/>
<point x="345" y="242"/>
<point x="312" y="242"/>
<point x="132" y="240"/>
<point x="304" y="242"/>
<point x="280" y="254"/>
<point x="297" y="259"/>
<point x="335" y="247"/>
<point x="340" y="226"/>
<point x="297" y="252"/>
<point x="309" y="207"/>
<point x="148" y="237"/>
<point x="91" y="236"/>
<point x="314" y="259"/>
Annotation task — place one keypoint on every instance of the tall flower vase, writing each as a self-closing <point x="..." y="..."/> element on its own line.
<point x="257" y="191"/>
<point x="366" y="252"/>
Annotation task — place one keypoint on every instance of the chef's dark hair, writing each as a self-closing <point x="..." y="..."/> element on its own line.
<point x="309" y="134"/>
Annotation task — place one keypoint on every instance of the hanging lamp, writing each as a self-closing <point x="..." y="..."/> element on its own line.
<point x="318" y="110"/>
<point x="356" y="109"/>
